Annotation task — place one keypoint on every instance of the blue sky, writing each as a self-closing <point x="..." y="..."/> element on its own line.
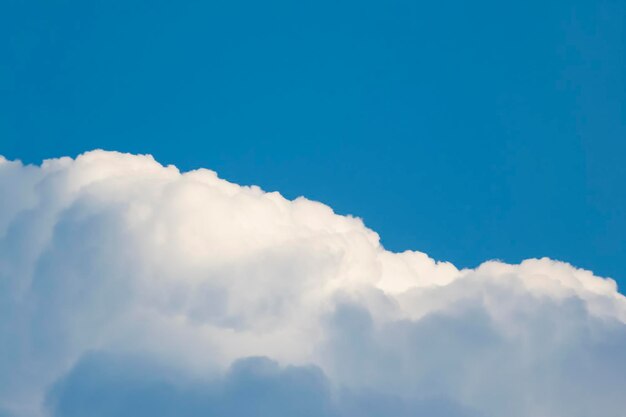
<point x="467" y="130"/>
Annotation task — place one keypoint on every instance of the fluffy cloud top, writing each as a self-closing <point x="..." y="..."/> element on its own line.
<point x="128" y="289"/>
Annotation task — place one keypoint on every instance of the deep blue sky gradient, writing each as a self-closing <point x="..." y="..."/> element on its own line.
<point x="468" y="130"/>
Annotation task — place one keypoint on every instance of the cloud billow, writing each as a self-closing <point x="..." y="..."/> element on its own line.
<point x="128" y="288"/>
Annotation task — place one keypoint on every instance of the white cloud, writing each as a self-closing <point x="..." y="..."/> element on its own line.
<point x="115" y="253"/>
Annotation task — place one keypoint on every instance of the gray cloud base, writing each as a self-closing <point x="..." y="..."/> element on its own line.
<point x="128" y="288"/>
<point x="101" y="385"/>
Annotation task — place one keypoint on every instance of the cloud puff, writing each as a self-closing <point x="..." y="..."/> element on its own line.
<point x="111" y="257"/>
<point x="104" y="385"/>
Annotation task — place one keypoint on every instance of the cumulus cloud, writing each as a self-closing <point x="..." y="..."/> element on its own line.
<point x="126" y="285"/>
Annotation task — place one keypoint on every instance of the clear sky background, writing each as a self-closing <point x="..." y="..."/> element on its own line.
<point x="467" y="130"/>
